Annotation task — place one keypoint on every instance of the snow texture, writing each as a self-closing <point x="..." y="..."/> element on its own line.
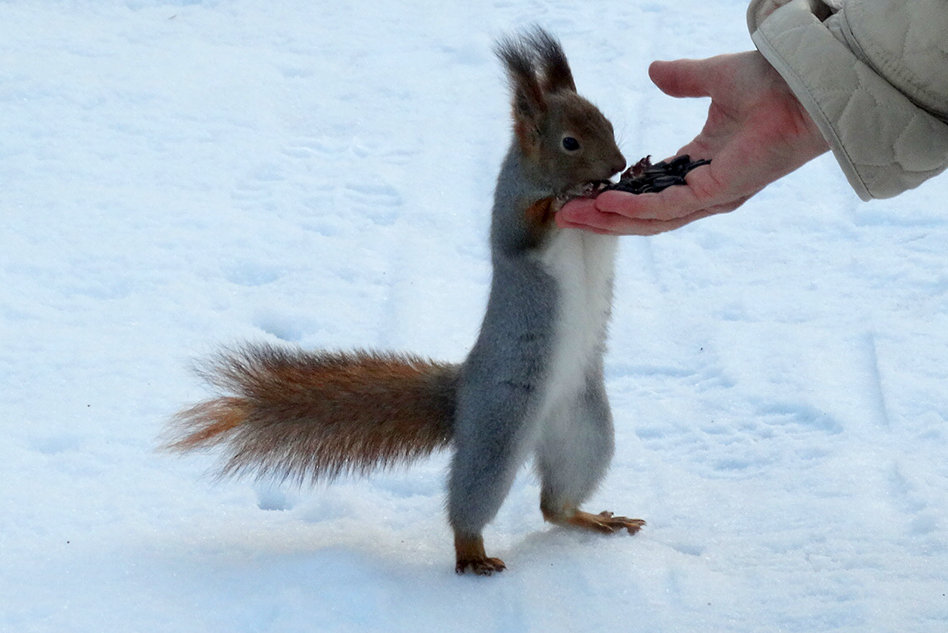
<point x="178" y="176"/>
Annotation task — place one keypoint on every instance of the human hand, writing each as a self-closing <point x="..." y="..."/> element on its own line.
<point x="756" y="132"/>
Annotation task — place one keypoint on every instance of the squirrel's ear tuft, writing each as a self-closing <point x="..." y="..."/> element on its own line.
<point x="554" y="69"/>
<point x="529" y="103"/>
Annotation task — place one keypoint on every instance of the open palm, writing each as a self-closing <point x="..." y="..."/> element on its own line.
<point x="756" y="132"/>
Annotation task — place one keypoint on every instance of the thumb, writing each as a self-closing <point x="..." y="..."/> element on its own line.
<point x="680" y="78"/>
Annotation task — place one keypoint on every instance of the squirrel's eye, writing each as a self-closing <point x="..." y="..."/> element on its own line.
<point x="570" y="144"/>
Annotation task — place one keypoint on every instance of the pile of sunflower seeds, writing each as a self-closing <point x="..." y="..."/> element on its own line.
<point x="644" y="177"/>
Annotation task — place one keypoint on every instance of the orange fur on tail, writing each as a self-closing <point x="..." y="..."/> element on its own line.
<point x="315" y="415"/>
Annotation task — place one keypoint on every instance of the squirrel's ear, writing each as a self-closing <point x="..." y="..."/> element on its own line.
<point x="555" y="68"/>
<point x="529" y="103"/>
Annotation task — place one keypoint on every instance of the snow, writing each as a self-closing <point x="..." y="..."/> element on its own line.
<point x="178" y="176"/>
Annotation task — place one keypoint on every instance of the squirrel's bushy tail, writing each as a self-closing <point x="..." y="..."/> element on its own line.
<point x="291" y="414"/>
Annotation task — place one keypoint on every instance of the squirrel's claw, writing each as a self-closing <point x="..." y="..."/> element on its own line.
<point x="470" y="554"/>
<point x="480" y="566"/>
<point x="604" y="522"/>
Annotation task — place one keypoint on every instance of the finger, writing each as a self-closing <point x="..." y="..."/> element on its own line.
<point x="680" y="78"/>
<point x="582" y="213"/>
<point x="572" y="213"/>
<point x="612" y="224"/>
<point x="587" y="227"/>
<point x="670" y="204"/>
<point x="655" y="227"/>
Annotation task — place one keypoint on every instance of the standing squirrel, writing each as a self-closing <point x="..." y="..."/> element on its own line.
<point x="531" y="385"/>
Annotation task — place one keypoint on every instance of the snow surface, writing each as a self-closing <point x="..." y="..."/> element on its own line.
<point x="177" y="176"/>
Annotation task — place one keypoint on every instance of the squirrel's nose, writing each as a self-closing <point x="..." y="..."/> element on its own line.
<point x="618" y="164"/>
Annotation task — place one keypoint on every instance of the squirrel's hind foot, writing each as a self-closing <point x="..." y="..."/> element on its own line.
<point x="480" y="566"/>
<point x="604" y="522"/>
<point x="471" y="556"/>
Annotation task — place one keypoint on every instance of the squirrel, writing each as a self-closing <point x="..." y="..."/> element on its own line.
<point x="531" y="385"/>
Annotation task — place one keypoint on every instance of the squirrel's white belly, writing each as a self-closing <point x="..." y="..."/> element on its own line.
<point x="583" y="265"/>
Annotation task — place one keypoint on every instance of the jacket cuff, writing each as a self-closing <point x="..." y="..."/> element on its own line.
<point x="884" y="143"/>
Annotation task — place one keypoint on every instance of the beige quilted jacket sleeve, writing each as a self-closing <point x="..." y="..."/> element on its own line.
<point x="873" y="74"/>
